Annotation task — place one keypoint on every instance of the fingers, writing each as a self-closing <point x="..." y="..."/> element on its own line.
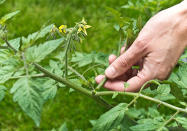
<point x="116" y="85"/>
<point x="122" y="50"/>
<point x="136" y="82"/>
<point x="112" y="58"/>
<point x="125" y="61"/>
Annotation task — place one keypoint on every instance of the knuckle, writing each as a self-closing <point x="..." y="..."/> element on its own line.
<point x="123" y="62"/>
<point x="141" y="44"/>
<point x="163" y="73"/>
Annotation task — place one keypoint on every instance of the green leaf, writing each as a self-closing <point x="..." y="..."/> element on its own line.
<point x="180" y="76"/>
<point x="2" y="1"/>
<point x="2" y="92"/>
<point x="56" y="67"/>
<point x="176" y="91"/>
<point x="27" y="94"/>
<point x="136" y="67"/>
<point x="182" y="121"/>
<point x="8" y="68"/>
<point x="92" y="122"/>
<point x="14" y="43"/>
<point x="39" y="34"/>
<point x="84" y="59"/>
<point x="8" y="16"/>
<point x="183" y="74"/>
<point x="146" y="125"/>
<point x="63" y="127"/>
<point x="115" y="95"/>
<point x="163" y="92"/>
<point x="126" y="124"/>
<point x="111" y="119"/>
<point x="38" y="53"/>
<point x="50" y="90"/>
<point x="126" y="85"/>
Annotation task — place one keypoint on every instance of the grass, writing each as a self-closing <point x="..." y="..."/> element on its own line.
<point x="72" y="108"/>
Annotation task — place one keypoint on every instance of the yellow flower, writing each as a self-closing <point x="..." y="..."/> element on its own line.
<point x="83" y="22"/>
<point x="63" y="28"/>
<point x="83" y="28"/>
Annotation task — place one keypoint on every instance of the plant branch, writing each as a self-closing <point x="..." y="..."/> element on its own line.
<point x="9" y="45"/>
<point x="171" y="118"/>
<point x="4" y="47"/>
<point x="104" y="93"/>
<point x="72" y="85"/>
<point x="25" y="64"/>
<point x="32" y="76"/>
<point x="101" y="83"/>
<point x="81" y="76"/>
<point x="66" y="54"/>
<point x="144" y="85"/>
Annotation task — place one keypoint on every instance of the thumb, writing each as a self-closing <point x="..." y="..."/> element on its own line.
<point x="126" y="60"/>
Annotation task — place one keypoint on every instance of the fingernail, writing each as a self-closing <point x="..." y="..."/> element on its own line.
<point x="110" y="72"/>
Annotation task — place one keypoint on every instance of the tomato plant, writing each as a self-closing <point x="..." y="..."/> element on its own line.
<point x="35" y="67"/>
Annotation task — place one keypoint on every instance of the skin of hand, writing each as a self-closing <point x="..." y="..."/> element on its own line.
<point x="156" y="50"/>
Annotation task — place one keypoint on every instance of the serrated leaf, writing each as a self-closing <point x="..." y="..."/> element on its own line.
<point x="36" y="35"/>
<point x="163" y="92"/>
<point x="146" y="125"/>
<point x="93" y="122"/>
<point x="27" y="94"/>
<point x="182" y="121"/>
<point x="14" y="43"/>
<point x="183" y="74"/>
<point x="111" y="119"/>
<point x="63" y="127"/>
<point x="56" y="67"/>
<point x="84" y="59"/>
<point x="8" y="16"/>
<point x="2" y="92"/>
<point x="38" y="53"/>
<point x="50" y="90"/>
<point x="8" y="68"/>
<point x="126" y="124"/>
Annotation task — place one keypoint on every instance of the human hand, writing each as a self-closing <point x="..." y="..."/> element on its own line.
<point x="156" y="50"/>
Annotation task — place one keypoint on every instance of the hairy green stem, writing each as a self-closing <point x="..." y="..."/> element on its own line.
<point x="9" y="45"/>
<point x="97" y="95"/>
<point x="81" y="76"/>
<point x="4" y="47"/>
<point x="101" y="83"/>
<point x="120" y="42"/>
<point x="105" y="93"/>
<point x="144" y="85"/>
<point x="25" y="64"/>
<point x="72" y="85"/>
<point x="32" y="76"/>
<point x="66" y="54"/>
<point x="171" y="118"/>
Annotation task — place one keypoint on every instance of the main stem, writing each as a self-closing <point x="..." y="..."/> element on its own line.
<point x="97" y="95"/>
<point x="105" y="93"/>
<point x="72" y="85"/>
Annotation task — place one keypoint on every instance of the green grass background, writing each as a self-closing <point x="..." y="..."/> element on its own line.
<point x="74" y="108"/>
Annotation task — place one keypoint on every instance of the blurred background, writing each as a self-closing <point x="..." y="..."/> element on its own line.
<point x="73" y="108"/>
